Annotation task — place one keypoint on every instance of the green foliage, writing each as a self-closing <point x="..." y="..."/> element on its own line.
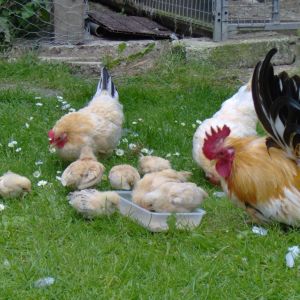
<point x="111" y="62"/>
<point x="23" y="17"/>
<point x="122" y="47"/>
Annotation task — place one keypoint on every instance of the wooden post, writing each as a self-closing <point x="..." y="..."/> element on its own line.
<point x="69" y="21"/>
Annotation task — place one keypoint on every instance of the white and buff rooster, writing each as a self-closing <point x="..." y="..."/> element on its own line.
<point x="238" y="114"/>
<point x="262" y="175"/>
<point x="98" y="125"/>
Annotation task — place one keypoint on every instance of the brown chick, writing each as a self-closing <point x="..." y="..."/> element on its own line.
<point x="92" y="203"/>
<point x="123" y="177"/>
<point x="84" y="172"/>
<point x="13" y="185"/>
<point x="149" y="164"/>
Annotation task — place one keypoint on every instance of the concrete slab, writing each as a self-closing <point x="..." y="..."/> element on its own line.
<point x="232" y="54"/>
<point x="239" y="53"/>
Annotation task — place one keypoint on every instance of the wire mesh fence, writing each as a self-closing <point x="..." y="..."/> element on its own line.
<point x="223" y="17"/>
<point x="49" y="21"/>
<point x="196" y="11"/>
<point x="261" y="15"/>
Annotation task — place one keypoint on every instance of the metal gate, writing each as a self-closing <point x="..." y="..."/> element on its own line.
<point x="226" y="17"/>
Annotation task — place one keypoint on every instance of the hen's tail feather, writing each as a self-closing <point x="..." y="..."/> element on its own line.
<point x="277" y="104"/>
<point x="106" y="84"/>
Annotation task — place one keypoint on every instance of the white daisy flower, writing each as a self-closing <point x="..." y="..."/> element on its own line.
<point x="39" y="104"/>
<point x="37" y="98"/>
<point x="134" y="122"/>
<point x="140" y="119"/>
<point x="132" y="146"/>
<point x="58" y="172"/>
<point x="42" y="183"/>
<point x="182" y="124"/>
<point x="145" y="151"/>
<point x="176" y="121"/>
<point x="176" y="154"/>
<point x="12" y="144"/>
<point x="194" y="125"/>
<point x="2" y="206"/>
<point x="26" y="125"/>
<point x="18" y="149"/>
<point x="64" y="102"/>
<point x="59" y="98"/>
<point x="36" y="174"/>
<point x="169" y="155"/>
<point x="30" y="118"/>
<point x="39" y="162"/>
<point x="119" y="152"/>
<point x="66" y="106"/>
<point x="198" y="122"/>
<point x="52" y="150"/>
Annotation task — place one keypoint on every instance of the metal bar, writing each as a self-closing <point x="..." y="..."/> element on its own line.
<point x="265" y="26"/>
<point x="224" y="19"/>
<point x="275" y="11"/>
<point x="217" y="33"/>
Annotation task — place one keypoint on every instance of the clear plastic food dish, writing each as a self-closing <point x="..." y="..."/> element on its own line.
<point x="156" y="221"/>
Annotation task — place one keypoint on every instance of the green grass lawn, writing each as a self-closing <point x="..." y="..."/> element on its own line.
<point x="113" y="257"/>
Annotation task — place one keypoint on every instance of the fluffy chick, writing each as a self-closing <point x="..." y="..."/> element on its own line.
<point x="13" y="185"/>
<point x="92" y="203"/>
<point x="123" y="177"/>
<point x="84" y="172"/>
<point x="168" y="191"/>
<point x="174" y="197"/>
<point x="149" y="164"/>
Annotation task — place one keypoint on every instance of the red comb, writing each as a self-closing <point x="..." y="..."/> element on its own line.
<point x="51" y="135"/>
<point x="214" y="141"/>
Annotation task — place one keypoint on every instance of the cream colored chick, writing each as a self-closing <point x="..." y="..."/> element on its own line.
<point x="168" y="191"/>
<point x="84" y="172"/>
<point x="174" y="197"/>
<point x="13" y="185"/>
<point x="149" y="164"/>
<point x="123" y="177"/>
<point x="92" y="203"/>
